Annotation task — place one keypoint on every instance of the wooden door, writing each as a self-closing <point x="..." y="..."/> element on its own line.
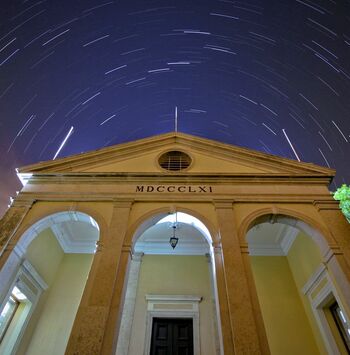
<point x="172" y="336"/>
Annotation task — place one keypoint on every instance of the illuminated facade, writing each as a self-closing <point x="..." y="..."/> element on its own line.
<point x="259" y="261"/>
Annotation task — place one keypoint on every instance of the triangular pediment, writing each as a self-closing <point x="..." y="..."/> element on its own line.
<point x="208" y="157"/>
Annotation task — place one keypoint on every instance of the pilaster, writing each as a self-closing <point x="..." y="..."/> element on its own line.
<point x="129" y="305"/>
<point x="255" y="301"/>
<point x="9" y="224"/>
<point x="337" y="224"/>
<point x="91" y="322"/>
<point x="247" y="337"/>
<point x="337" y="258"/>
<point x="225" y="326"/>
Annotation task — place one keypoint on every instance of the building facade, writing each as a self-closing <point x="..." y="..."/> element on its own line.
<point x="174" y="244"/>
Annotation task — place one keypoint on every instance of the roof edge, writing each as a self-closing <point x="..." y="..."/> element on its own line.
<point x="177" y="137"/>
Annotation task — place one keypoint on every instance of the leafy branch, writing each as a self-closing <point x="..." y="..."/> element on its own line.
<point x="343" y="195"/>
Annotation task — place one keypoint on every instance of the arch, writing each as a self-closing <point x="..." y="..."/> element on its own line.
<point x="20" y="271"/>
<point x="153" y="216"/>
<point x="59" y="217"/>
<point x="22" y="235"/>
<point x="26" y="234"/>
<point x="135" y="230"/>
<point x="318" y="233"/>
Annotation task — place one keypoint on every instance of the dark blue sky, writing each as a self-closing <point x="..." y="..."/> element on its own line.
<point x="269" y="75"/>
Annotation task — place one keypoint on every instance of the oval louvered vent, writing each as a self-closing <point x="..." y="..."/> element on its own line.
<point x="175" y="161"/>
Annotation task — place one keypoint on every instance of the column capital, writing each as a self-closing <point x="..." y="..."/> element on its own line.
<point x="326" y="204"/>
<point x="126" y="248"/>
<point x="223" y="204"/>
<point x="99" y="246"/>
<point x="333" y="250"/>
<point x="137" y="256"/>
<point x="23" y="202"/>
<point x="217" y="248"/>
<point x="122" y="202"/>
<point x="244" y="248"/>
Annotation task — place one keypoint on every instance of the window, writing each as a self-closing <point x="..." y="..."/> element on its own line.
<point x="13" y="317"/>
<point x="329" y="313"/>
<point x="7" y="314"/>
<point x="18" y="306"/>
<point x="175" y="161"/>
<point x="342" y="324"/>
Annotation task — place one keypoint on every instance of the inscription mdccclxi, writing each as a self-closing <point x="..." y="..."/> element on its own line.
<point x="175" y="188"/>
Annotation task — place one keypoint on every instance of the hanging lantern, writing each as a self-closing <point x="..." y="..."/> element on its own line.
<point x="173" y="240"/>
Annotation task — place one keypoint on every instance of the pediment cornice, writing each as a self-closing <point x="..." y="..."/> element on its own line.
<point x="273" y="165"/>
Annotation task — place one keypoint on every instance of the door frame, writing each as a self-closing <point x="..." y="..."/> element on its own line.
<point x="173" y="306"/>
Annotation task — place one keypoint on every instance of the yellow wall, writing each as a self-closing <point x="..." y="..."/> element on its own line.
<point x="50" y="324"/>
<point x="58" y="314"/>
<point x="174" y="275"/>
<point x="304" y="258"/>
<point x="45" y="254"/>
<point x="286" y="323"/>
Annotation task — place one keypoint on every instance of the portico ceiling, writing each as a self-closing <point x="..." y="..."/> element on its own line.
<point x="79" y="234"/>
<point x="155" y="240"/>
<point x="76" y="236"/>
<point x="271" y="239"/>
<point x="75" y="232"/>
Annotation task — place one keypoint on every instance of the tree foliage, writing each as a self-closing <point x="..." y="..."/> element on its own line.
<point x="343" y="195"/>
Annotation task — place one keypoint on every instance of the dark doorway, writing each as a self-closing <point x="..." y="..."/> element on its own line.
<point x="172" y="336"/>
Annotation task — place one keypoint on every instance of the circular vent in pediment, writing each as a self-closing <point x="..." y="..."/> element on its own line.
<point x="175" y="160"/>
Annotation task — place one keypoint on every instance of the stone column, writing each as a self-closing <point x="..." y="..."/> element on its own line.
<point x="245" y="330"/>
<point x="338" y="256"/>
<point x="225" y="326"/>
<point x="10" y="222"/>
<point x="255" y="301"/>
<point x="90" y="322"/>
<point x="110" y="339"/>
<point x="337" y="224"/>
<point x="129" y="305"/>
<point x="215" y="304"/>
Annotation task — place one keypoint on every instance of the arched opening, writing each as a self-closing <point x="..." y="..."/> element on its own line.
<point x="170" y="300"/>
<point x="302" y="307"/>
<point x="43" y="281"/>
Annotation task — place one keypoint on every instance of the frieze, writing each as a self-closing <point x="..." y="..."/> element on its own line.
<point x="174" y="188"/>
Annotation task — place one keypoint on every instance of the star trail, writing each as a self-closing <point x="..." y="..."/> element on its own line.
<point x="81" y="75"/>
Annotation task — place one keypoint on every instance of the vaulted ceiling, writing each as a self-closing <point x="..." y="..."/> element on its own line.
<point x="80" y="233"/>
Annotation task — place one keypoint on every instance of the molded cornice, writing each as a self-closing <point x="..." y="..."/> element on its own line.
<point x="213" y="148"/>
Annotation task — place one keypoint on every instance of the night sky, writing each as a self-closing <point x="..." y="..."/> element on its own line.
<point x="268" y="75"/>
